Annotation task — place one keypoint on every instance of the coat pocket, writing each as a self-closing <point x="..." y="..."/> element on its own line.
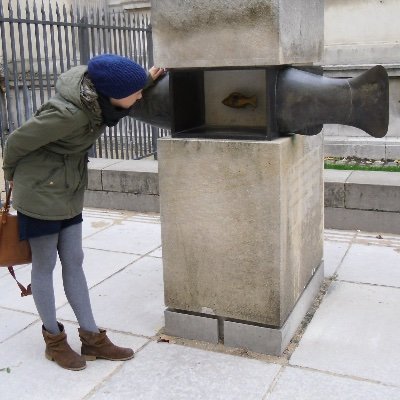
<point x="54" y="179"/>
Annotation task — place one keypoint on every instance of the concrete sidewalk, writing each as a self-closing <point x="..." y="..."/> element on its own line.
<point x="349" y="350"/>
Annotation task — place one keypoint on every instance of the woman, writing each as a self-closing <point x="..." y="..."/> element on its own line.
<point x="45" y="161"/>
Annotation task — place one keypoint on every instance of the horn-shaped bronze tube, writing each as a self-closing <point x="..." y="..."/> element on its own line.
<point x="154" y="108"/>
<point x="306" y="100"/>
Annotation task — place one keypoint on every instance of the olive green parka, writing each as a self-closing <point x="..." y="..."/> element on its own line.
<point x="47" y="156"/>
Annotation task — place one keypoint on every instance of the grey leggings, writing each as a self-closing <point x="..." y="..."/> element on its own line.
<point x="68" y="243"/>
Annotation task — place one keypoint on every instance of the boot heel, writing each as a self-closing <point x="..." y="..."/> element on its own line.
<point x="89" y="358"/>
<point x="49" y="357"/>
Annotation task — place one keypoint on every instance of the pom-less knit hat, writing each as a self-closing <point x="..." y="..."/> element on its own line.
<point x="115" y="76"/>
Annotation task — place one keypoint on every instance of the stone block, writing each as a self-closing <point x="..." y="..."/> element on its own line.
<point x="210" y="33"/>
<point x="370" y="221"/>
<point x="122" y="201"/>
<point x="373" y="191"/>
<point x="131" y="176"/>
<point x="130" y="182"/>
<point x="340" y="146"/>
<point x="193" y="327"/>
<point x="362" y="54"/>
<point x="268" y="340"/>
<point x="255" y="238"/>
<point x="94" y="179"/>
<point x="393" y="151"/>
<point x="95" y="167"/>
<point x="334" y="193"/>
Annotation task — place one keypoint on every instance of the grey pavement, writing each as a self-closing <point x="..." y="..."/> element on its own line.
<point x="349" y="350"/>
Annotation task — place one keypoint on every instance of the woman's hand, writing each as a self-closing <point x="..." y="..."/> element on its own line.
<point x="156" y="72"/>
<point x="11" y="183"/>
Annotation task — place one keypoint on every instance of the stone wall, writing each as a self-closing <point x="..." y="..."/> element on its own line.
<point x="358" y="34"/>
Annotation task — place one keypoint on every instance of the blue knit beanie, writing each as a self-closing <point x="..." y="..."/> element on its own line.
<point x="115" y="76"/>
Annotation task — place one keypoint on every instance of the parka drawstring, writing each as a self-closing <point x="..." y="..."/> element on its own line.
<point x="66" y="171"/>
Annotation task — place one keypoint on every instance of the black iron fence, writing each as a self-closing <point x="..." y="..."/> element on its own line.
<point x="40" y="42"/>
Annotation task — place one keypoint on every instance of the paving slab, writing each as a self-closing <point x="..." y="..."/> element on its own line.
<point x="94" y="225"/>
<point x="333" y="256"/>
<point x="96" y="163"/>
<point x="335" y="175"/>
<point x="339" y="236"/>
<point x="144" y="165"/>
<point x="383" y="239"/>
<point x="156" y="253"/>
<point x="34" y="377"/>
<point x="169" y="372"/>
<point x="12" y="322"/>
<point x="127" y="236"/>
<point x="130" y="301"/>
<point x="98" y="265"/>
<point x="354" y="332"/>
<point x="95" y="220"/>
<point x="300" y="384"/>
<point x="379" y="265"/>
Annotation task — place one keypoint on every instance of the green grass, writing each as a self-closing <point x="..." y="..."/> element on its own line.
<point x="361" y="167"/>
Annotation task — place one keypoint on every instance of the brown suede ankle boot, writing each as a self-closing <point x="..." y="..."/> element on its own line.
<point x="98" y="345"/>
<point x="58" y="350"/>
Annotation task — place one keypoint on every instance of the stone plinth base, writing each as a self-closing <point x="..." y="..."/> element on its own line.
<point x="257" y="338"/>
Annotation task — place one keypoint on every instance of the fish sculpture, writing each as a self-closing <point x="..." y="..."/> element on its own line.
<point x="238" y="100"/>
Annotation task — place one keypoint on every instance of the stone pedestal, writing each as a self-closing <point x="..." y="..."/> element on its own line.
<point x="242" y="236"/>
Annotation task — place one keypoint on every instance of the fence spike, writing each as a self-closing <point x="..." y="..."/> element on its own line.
<point x="71" y="13"/>
<point x="64" y="11"/>
<point x="34" y="9"/>
<point x="18" y="10"/>
<point x="58" y="11"/>
<point x="50" y="11"/>
<point x="27" y="10"/>
<point x="78" y="15"/>
<point x="91" y="20"/>
<point x="10" y="9"/>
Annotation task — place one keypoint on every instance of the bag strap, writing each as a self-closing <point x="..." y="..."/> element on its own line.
<point x="25" y="291"/>
<point x="6" y="207"/>
<point x="8" y="199"/>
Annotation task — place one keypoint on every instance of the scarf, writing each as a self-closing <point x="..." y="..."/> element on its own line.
<point x="111" y="114"/>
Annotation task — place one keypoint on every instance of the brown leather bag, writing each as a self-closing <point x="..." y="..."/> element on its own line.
<point x="12" y="250"/>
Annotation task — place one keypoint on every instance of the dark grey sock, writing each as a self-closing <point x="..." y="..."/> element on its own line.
<point x="75" y="286"/>
<point x="44" y="257"/>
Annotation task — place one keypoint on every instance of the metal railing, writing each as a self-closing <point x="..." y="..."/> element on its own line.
<point x="38" y="44"/>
